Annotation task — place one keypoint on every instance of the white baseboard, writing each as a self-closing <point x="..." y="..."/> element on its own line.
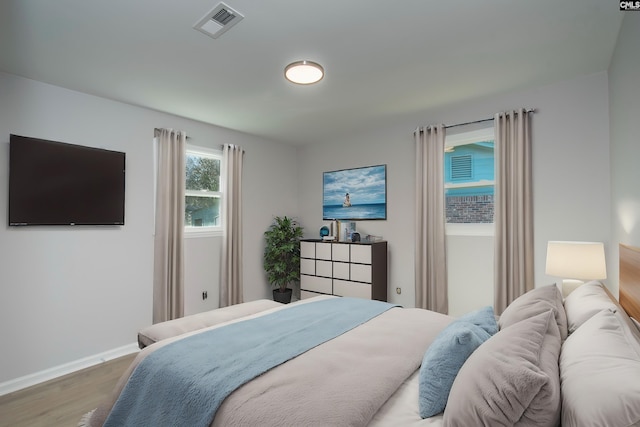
<point x="67" y="368"/>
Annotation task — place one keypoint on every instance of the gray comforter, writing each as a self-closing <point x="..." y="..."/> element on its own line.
<point x="342" y="382"/>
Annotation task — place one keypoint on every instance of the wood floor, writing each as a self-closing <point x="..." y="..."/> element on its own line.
<point x="61" y="402"/>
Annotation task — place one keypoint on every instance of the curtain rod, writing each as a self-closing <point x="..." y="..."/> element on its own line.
<point x="469" y="123"/>
<point x="159" y="129"/>
<point x="528" y="110"/>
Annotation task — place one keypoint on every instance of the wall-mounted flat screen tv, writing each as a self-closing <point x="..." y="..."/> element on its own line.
<point x="54" y="183"/>
<point x="355" y="194"/>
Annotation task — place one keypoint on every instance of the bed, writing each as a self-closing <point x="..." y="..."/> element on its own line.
<point x="545" y="361"/>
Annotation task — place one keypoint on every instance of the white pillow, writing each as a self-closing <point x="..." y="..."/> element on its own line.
<point x="600" y="373"/>
<point x="587" y="300"/>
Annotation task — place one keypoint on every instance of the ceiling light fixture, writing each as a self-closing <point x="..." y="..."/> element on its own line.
<point x="304" y="72"/>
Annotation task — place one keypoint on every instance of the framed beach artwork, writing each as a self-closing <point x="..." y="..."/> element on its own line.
<point x="355" y="194"/>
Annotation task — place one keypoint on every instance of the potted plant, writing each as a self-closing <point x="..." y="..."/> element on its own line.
<point x="282" y="256"/>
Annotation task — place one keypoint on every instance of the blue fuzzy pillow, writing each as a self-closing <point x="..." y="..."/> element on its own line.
<point x="484" y="317"/>
<point x="442" y="361"/>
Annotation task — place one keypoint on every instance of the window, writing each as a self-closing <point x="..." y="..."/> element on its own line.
<point x="469" y="177"/>
<point x="203" y="198"/>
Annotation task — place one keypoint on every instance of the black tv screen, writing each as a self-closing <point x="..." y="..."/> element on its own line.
<point x="54" y="183"/>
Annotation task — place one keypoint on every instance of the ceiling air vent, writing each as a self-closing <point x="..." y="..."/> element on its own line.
<point x="219" y="20"/>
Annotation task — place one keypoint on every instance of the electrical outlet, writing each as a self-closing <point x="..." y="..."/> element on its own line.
<point x="204" y="295"/>
<point x="398" y="291"/>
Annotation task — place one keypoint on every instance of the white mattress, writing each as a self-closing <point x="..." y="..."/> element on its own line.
<point x="402" y="408"/>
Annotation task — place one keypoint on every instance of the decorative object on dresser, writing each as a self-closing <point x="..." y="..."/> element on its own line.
<point x="576" y="262"/>
<point x="324" y="232"/>
<point x="344" y="269"/>
<point x="282" y="256"/>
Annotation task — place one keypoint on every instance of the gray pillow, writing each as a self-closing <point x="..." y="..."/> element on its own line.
<point x="534" y="302"/>
<point x="510" y="380"/>
<point x="600" y="373"/>
<point x="585" y="301"/>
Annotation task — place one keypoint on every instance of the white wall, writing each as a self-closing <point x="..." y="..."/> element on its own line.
<point x="202" y="271"/>
<point x="70" y="293"/>
<point x="470" y="273"/>
<point x="624" y="93"/>
<point x="571" y="171"/>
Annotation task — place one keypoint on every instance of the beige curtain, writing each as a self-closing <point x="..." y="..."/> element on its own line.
<point x="168" y="255"/>
<point x="513" y="267"/>
<point x="430" y="250"/>
<point x="231" y="271"/>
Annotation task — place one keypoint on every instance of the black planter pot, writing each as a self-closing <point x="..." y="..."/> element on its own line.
<point x="283" y="297"/>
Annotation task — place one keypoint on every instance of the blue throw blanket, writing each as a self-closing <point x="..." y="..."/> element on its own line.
<point x="185" y="382"/>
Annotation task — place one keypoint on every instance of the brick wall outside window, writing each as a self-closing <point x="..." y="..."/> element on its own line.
<point x="469" y="209"/>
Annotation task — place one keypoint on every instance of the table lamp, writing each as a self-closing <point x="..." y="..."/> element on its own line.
<point x="575" y="262"/>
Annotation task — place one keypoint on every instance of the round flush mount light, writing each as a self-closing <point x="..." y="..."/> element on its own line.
<point x="304" y="72"/>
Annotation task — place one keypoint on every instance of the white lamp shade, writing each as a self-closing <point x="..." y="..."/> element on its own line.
<point x="576" y="260"/>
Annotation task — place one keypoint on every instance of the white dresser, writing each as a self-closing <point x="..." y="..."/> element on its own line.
<point x="344" y="269"/>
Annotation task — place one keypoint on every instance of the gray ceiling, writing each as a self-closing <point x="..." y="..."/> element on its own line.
<point x="382" y="59"/>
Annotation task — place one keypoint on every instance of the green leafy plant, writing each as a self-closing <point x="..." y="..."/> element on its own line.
<point x="282" y="252"/>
